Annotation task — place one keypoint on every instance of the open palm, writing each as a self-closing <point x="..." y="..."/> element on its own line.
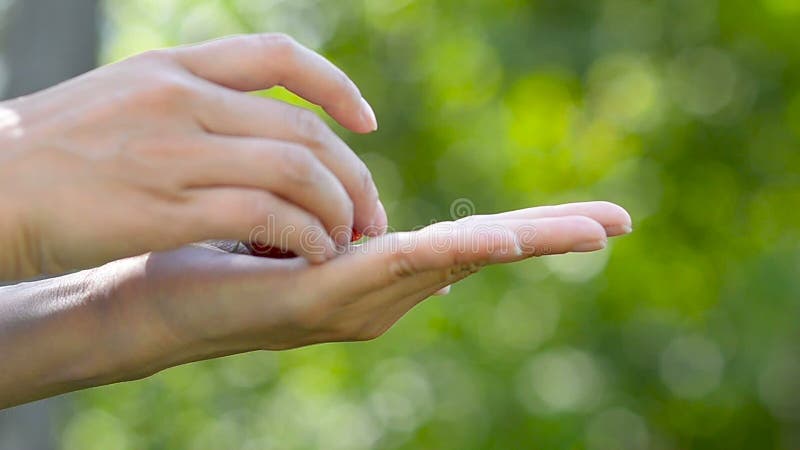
<point x="212" y="302"/>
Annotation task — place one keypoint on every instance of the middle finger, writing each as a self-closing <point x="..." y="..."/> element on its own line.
<point x="238" y="114"/>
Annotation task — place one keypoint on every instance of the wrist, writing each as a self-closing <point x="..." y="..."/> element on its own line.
<point x="81" y="330"/>
<point x="132" y="304"/>
<point x="136" y="344"/>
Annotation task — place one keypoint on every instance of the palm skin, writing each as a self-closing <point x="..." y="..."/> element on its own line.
<point x="206" y="300"/>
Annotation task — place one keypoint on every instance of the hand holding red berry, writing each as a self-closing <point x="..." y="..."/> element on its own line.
<point x="206" y="160"/>
<point x="269" y="251"/>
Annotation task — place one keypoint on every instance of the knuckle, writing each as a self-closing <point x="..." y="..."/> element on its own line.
<point x="166" y="90"/>
<point x="299" y="165"/>
<point x="241" y="216"/>
<point x="159" y="56"/>
<point x="252" y="207"/>
<point x="310" y="127"/>
<point x="280" y="45"/>
<point x="172" y="86"/>
<point x="400" y="266"/>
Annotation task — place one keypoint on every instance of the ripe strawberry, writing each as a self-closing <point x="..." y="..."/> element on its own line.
<point x="268" y="251"/>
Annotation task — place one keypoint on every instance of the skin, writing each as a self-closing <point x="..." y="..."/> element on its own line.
<point x="134" y="317"/>
<point x="166" y="148"/>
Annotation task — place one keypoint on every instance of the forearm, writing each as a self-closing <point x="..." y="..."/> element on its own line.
<point x="48" y="339"/>
<point x="65" y="334"/>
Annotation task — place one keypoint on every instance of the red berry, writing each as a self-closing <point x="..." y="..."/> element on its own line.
<point x="268" y="251"/>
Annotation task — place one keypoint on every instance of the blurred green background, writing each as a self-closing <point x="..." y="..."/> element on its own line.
<point x="685" y="334"/>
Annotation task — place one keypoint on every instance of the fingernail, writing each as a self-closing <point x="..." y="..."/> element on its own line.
<point x="590" y="246"/>
<point x="368" y="115"/>
<point x="618" y="230"/>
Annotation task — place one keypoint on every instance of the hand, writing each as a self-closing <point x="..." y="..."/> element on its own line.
<point x="200" y="302"/>
<point x="164" y="149"/>
<point x="134" y="317"/>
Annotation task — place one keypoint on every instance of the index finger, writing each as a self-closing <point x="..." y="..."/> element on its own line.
<point x="261" y="61"/>
<point x="444" y="246"/>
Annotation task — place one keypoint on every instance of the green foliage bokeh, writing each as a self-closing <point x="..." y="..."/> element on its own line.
<point x="685" y="334"/>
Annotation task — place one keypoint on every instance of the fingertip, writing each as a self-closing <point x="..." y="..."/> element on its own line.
<point x="319" y="249"/>
<point x="589" y="246"/>
<point x="618" y="222"/>
<point x="381" y="220"/>
<point x="618" y="230"/>
<point x="590" y="235"/>
<point x="368" y="116"/>
<point x="557" y="235"/>
<point x="579" y="227"/>
<point x="378" y="224"/>
<point x="358" y="117"/>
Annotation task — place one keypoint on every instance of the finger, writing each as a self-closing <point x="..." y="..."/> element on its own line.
<point x="382" y="261"/>
<point x="256" y="216"/>
<point x="260" y="61"/>
<point x="236" y="114"/>
<point x="557" y="235"/>
<point x="288" y="170"/>
<point x="613" y="217"/>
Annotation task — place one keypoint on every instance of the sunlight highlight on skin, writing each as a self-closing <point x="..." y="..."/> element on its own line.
<point x="10" y="123"/>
